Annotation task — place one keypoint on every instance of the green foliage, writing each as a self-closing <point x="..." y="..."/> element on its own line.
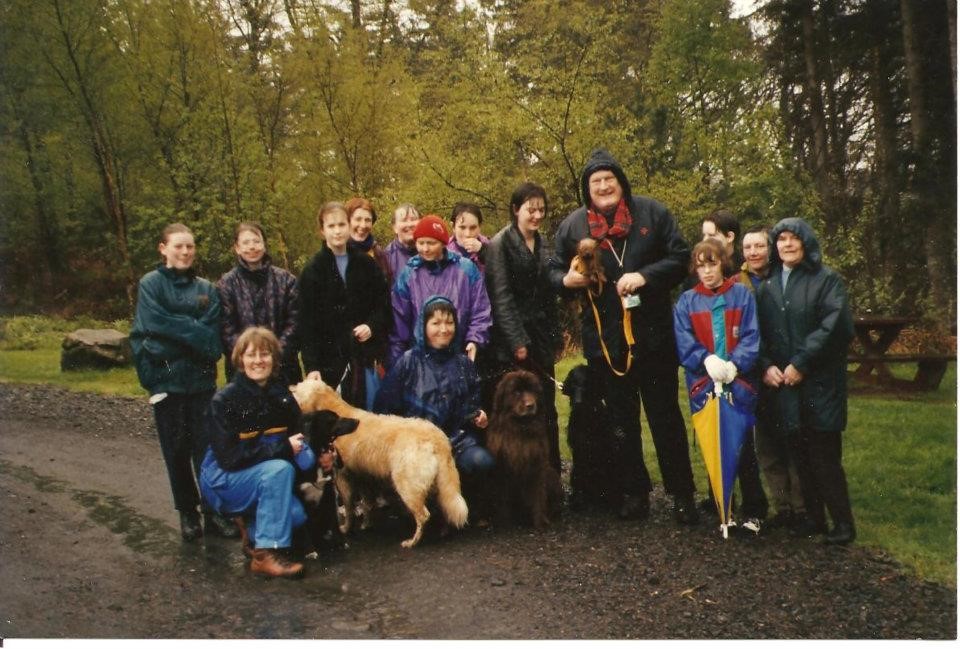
<point x="120" y="117"/>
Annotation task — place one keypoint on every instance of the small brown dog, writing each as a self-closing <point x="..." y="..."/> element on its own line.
<point x="412" y="454"/>
<point x="587" y="263"/>
<point x="523" y="479"/>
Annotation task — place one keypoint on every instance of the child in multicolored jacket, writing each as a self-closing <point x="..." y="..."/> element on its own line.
<point x="718" y="341"/>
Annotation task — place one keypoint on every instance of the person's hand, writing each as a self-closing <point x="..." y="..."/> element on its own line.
<point x="471" y="245"/>
<point x="573" y="279"/>
<point x="471" y="350"/>
<point x="314" y="376"/>
<point x="325" y="461"/>
<point x="296" y="443"/>
<point x="730" y="372"/>
<point x="773" y="377"/>
<point x="716" y="368"/>
<point x="630" y="283"/>
<point x="792" y="376"/>
<point x="480" y="421"/>
<point x="520" y="354"/>
<point x="362" y="333"/>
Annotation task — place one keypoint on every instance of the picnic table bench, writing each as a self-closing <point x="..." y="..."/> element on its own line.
<point x="875" y="335"/>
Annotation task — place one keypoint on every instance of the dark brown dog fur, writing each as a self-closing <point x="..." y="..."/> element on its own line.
<point x="524" y="482"/>
<point x="587" y="263"/>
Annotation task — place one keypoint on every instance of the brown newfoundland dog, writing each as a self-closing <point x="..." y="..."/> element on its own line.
<point x="524" y="483"/>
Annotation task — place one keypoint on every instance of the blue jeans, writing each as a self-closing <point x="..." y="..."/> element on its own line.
<point x="267" y="488"/>
<point x="470" y="457"/>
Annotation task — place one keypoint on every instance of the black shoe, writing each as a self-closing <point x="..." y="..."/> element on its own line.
<point x="842" y="534"/>
<point x="190" y="528"/>
<point x="221" y="526"/>
<point x="635" y="507"/>
<point x="805" y="528"/>
<point x="783" y="518"/>
<point x="685" y="511"/>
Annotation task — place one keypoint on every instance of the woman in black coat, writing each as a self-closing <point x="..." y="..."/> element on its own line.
<point x="525" y="329"/>
<point x="343" y="314"/>
<point x="805" y="328"/>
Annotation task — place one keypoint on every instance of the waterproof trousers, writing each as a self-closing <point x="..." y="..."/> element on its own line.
<point x="818" y="455"/>
<point x="266" y="490"/>
<point x="183" y="442"/>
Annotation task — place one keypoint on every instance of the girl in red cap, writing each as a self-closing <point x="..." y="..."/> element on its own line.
<point x="437" y="271"/>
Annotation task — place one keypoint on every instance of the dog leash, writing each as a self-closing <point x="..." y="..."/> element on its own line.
<point x="539" y="370"/>
<point x="627" y="332"/>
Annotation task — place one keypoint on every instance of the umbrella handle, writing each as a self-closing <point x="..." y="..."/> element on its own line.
<point x="718" y="388"/>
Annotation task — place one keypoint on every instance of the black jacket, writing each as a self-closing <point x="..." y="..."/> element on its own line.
<point x="524" y="304"/>
<point x="247" y="424"/>
<point x="330" y="308"/>
<point x="654" y="248"/>
<point x="809" y="326"/>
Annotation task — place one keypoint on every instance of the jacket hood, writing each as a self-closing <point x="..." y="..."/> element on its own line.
<point x="812" y="258"/>
<point x="598" y="160"/>
<point x="420" y="332"/>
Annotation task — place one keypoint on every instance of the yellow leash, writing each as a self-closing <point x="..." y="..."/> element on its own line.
<point x="627" y="333"/>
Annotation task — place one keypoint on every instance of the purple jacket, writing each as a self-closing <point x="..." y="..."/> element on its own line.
<point x="397" y="257"/>
<point x="453" y="277"/>
<point x="476" y="257"/>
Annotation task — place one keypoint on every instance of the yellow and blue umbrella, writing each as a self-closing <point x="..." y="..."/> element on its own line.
<point x="722" y="418"/>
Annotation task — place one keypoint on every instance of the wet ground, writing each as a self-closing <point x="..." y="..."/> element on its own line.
<point x="89" y="547"/>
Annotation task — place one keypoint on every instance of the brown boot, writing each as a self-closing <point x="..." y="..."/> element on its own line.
<point x="245" y="543"/>
<point x="272" y="563"/>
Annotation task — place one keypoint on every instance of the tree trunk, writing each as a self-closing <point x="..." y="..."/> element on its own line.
<point x="932" y="211"/>
<point x="111" y="179"/>
<point x="817" y="121"/>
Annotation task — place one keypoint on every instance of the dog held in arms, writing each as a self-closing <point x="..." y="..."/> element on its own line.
<point x="412" y="454"/>
<point x="587" y="263"/>
<point x="523" y="480"/>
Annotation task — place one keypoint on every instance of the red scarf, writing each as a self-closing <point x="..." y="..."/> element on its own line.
<point x="599" y="230"/>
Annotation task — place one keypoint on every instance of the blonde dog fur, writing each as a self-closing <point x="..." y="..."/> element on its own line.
<point x="413" y="454"/>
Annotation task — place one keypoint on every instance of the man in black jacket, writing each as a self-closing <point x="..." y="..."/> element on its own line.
<point x="627" y="325"/>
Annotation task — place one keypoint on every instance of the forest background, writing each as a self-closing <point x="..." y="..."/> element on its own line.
<point x="120" y="116"/>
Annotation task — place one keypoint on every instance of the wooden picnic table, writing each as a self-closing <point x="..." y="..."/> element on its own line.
<point x="875" y="335"/>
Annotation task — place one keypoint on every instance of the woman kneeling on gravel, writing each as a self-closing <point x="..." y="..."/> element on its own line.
<point x="252" y="424"/>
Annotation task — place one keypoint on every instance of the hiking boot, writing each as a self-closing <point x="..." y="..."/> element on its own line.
<point x="685" y="511"/>
<point x="272" y="563"/>
<point x="635" y="507"/>
<point x="190" y="528"/>
<point x="842" y="534"/>
<point x="214" y="523"/>
<point x="807" y="528"/>
<point x="245" y="543"/>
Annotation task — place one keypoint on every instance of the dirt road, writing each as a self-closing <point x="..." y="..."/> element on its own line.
<point x="89" y="547"/>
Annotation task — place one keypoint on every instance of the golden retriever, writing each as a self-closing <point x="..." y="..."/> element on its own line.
<point x="412" y="454"/>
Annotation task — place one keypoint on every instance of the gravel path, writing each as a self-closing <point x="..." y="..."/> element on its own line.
<point x="89" y="548"/>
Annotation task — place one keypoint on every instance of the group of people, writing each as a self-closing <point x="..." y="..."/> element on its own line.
<point x="426" y="325"/>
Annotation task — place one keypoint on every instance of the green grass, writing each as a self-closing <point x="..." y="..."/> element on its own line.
<point x="899" y="449"/>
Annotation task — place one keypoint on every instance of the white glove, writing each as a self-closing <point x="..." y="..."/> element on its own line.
<point x="716" y="367"/>
<point x="730" y="372"/>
